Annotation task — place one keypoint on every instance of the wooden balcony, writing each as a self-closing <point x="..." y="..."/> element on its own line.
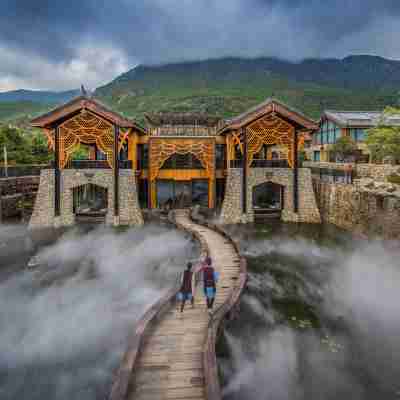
<point x="95" y="164"/>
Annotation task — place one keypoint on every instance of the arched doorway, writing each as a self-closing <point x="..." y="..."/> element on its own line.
<point x="268" y="200"/>
<point x="90" y="203"/>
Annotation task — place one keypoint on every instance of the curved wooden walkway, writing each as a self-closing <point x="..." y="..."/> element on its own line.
<point x="170" y="361"/>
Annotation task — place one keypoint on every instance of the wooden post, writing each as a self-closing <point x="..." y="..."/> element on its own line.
<point x="116" y="171"/>
<point x="149" y="181"/>
<point x="57" y="175"/>
<point x="295" y="175"/>
<point x="244" y="182"/>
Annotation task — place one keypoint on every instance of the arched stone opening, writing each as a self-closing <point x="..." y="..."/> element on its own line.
<point x="268" y="197"/>
<point x="90" y="199"/>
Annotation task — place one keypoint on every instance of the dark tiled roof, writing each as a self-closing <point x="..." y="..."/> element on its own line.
<point x="271" y="104"/>
<point x="360" y="118"/>
<point x="83" y="102"/>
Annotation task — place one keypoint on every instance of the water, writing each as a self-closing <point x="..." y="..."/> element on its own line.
<point x="319" y="318"/>
<point x="64" y="325"/>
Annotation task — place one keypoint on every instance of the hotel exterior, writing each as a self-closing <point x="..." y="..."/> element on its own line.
<point x="244" y="168"/>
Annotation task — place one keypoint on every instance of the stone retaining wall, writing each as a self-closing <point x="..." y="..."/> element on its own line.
<point x="17" y="195"/>
<point x="232" y="205"/>
<point x="43" y="215"/>
<point x="358" y="210"/>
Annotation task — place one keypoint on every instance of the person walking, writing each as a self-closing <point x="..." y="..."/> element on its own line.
<point x="210" y="278"/>
<point x="185" y="292"/>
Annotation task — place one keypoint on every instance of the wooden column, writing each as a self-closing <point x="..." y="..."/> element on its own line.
<point x="116" y="171"/>
<point x="295" y="174"/>
<point x="244" y="181"/>
<point x="57" y="174"/>
<point x="149" y="180"/>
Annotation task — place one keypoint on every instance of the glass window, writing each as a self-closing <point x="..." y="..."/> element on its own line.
<point x="360" y="135"/>
<point x="317" y="156"/>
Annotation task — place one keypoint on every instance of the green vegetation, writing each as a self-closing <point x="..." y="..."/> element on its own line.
<point x="344" y="147"/>
<point x="384" y="141"/>
<point x="23" y="147"/>
<point x="228" y="87"/>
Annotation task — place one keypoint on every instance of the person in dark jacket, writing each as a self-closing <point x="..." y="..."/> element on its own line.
<point x="185" y="293"/>
<point x="210" y="278"/>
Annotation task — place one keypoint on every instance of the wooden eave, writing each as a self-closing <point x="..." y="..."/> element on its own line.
<point x="269" y="106"/>
<point x="83" y="103"/>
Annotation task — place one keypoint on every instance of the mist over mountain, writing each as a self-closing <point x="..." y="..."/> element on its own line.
<point x="229" y="86"/>
<point x="38" y="96"/>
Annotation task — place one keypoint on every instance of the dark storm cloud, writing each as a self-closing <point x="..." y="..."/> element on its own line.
<point x="72" y="34"/>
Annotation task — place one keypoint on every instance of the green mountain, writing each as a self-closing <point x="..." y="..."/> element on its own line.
<point x="231" y="85"/>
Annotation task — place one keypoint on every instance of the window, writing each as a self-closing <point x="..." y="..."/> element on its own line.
<point x="220" y="155"/>
<point x="328" y="133"/>
<point x="357" y="134"/>
<point x="317" y="156"/>
<point x="142" y="156"/>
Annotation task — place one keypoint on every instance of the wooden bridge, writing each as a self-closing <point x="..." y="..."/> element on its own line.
<point x="172" y="356"/>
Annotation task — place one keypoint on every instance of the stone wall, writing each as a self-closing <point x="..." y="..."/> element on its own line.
<point x="43" y="215"/>
<point x="363" y="210"/>
<point x="17" y="195"/>
<point x="231" y="212"/>
<point x="232" y="205"/>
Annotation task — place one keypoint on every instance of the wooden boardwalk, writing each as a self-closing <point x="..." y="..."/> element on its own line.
<point x="170" y="364"/>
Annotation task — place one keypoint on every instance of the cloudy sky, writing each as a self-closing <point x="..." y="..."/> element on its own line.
<point x="52" y="44"/>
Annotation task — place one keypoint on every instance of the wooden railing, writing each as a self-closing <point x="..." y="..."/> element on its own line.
<point x="269" y="164"/>
<point x="95" y="164"/>
<point x="226" y="310"/>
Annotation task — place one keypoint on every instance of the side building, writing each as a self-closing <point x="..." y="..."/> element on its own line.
<point x="245" y="167"/>
<point x="335" y="124"/>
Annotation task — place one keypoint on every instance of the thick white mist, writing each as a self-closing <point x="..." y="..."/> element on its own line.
<point x="359" y="292"/>
<point x="64" y="325"/>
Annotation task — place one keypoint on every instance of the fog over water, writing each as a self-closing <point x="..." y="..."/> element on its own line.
<point x="64" y="325"/>
<point x="320" y="319"/>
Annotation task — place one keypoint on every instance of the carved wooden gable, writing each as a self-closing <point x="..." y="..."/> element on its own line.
<point x="270" y="130"/>
<point x="162" y="149"/>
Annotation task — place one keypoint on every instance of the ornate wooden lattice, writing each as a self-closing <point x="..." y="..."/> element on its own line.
<point x="87" y="128"/>
<point x="270" y="130"/>
<point x="162" y="149"/>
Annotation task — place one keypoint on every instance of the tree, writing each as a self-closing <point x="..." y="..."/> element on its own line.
<point x="29" y="148"/>
<point x="344" y="148"/>
<point x="384" y="139"/>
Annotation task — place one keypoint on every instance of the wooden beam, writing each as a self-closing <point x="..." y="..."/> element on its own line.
<point x="116" y="170"/>
<point x="57" y="175"/>
<point x="244" y="186"/>
<point x="295" y="174"/>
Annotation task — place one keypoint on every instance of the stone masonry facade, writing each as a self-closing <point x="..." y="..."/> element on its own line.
<point x="365" y="211"/>
<point x="308" y="211"/>
<point x="44" y="216"/>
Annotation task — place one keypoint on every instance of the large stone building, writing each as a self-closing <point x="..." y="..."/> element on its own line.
<point x="244" y="167"/>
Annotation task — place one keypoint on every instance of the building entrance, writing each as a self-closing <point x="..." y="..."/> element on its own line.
<point x="181" y="194"/>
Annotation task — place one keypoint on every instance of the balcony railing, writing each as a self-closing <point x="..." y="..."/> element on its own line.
<point x="125" y="164"/>
<point x="96" y="164"/>
<point x="261" y="164"/>
<point x="236" y="164"/>
<point x="269" y="164"/>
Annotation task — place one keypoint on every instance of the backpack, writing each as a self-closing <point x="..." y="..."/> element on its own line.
<point x="208" y="277"/>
